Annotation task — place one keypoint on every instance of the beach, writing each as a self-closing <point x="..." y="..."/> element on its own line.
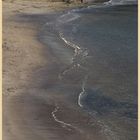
<point x="60" y="80"/>
<point x="22" y="54"/>
<point x="26" y="116"/>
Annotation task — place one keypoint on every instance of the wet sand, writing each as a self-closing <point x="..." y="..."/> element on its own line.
<point x="28" y="113"/>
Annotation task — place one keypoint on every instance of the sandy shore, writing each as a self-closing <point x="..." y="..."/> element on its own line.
<point x="28" y="112"/>
<point x="25" y="115"/>
<point x="37" y="105"/>
<point x="22" y="54"/>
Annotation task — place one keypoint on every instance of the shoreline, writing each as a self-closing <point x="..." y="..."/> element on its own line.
<point x="38" y="103"/>
<point x="26" y="115"/>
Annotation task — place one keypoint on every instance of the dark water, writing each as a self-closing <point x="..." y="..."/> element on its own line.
<point x="96" y="49"/>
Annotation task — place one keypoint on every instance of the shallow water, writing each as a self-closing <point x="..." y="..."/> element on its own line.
<point x="96" y="50"/>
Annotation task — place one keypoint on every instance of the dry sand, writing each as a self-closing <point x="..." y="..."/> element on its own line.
<point x="22" y="53"/>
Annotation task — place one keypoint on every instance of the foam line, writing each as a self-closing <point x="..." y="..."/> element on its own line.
<point x="68" y="126"/>
<point x="83" y="91"/>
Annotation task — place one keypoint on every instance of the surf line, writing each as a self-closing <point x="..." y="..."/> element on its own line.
<point x="67" y="126"/>
<point x="77" y="50"/>
<point x="76" y="47"/>
<point x="78" y="53"/>
<point x="83" y="90"/>
<point x="68" y="17"/>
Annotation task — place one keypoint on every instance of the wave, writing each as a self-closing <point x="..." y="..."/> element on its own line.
<point x="77" y="52"/>
<point x="121" y="2"/>
<point x="76" y="47"/>
<point x="67" y="126"/>
<point x="83" y="91"/>
<point x="68" y="17"/>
